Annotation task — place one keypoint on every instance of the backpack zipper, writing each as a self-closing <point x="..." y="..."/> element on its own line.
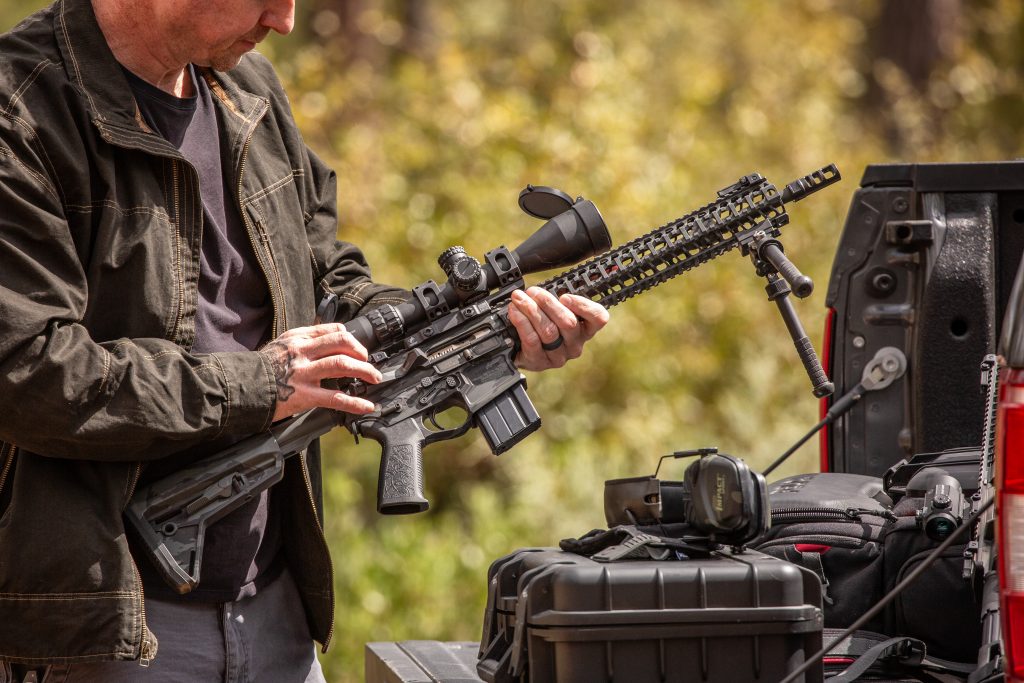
<point x="816" y="514"/>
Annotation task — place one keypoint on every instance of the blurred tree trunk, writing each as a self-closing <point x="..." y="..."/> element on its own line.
<point x="909" y="41"/>
<point x="359" y="44"/>
<point x="356" y="45"/>
<point x="418" y="28"/>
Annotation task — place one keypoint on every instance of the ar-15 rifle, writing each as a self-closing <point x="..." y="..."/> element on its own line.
<point x="452" y="345"/>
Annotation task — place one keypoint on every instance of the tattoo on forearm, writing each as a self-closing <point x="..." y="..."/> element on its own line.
<point x="280" y="358"/>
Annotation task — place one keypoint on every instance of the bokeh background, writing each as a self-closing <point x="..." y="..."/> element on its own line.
<point x="435" y="114"/>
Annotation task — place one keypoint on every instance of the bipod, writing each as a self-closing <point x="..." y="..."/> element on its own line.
<point x="784" y="279"/>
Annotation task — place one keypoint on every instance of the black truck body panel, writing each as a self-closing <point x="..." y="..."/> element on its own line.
<point x="926" y="263"/>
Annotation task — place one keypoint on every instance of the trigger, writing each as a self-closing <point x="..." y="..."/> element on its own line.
<point x="435" y="432"/>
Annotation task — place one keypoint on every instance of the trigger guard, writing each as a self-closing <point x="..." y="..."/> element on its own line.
<point x="430" y="436"/>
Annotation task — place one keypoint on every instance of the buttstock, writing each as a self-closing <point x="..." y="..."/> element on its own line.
<point x="177" y="556"/>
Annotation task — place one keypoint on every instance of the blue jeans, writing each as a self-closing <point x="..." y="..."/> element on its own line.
<point x="260" y="639"/>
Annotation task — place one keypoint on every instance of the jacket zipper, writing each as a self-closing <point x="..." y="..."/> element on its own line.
<point x="261" y="229"/>
<point x="7" y="453"/>
<point x="147" y="645"/>
<point x="179" y="276"/>
<point x="278" y="305"/>
<point x="323" y="540"/>
<point x="135" y="481"/>
<point x="172" y="154"/>
<point x="249" y="227"/>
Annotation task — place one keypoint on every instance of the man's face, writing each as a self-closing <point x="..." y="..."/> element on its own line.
<point x="216" y="33"/>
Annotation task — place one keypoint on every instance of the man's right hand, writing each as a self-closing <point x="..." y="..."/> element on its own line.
<point x="303" y="357"/>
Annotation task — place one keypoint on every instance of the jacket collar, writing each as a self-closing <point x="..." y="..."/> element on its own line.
<point x="91" y="65"/>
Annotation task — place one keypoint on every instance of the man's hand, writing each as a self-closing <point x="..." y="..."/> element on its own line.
<point x="542" y="320"/>
<point x="301" y="358"/>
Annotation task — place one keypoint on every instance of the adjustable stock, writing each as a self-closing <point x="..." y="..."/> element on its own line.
<point x="171" y="515"/>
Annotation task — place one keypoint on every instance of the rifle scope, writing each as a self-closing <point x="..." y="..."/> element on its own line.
<point x="573" y="232"/>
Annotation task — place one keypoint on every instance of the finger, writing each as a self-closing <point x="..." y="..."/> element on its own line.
<point x="554" y="309"/>
<point x="312" y="331"/>
<point x="339" y="400"/>
<point x="339" y="366"/>
<point x="546" y="330"/>
<point x="324" y="329"/>
<point x="528" y="337"/>
<point x="570" y="326"/>
<point x="340" y="341"/>
<point x="591" y="315"/>
<point x="531" y="356"/>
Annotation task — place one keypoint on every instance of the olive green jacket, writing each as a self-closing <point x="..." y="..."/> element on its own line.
<point x="100" y="234"/>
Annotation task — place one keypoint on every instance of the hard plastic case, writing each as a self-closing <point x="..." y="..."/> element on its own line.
<point x="554" y="616"/>
<point x="421" y="661"/>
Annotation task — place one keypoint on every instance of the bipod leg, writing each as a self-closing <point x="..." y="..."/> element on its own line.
<point x="778" y="291"/>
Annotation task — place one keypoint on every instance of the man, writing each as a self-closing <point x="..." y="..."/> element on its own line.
<point x="164" y="238"/>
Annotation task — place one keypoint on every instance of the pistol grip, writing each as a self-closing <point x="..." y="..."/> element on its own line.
<point x="400" y="482"/>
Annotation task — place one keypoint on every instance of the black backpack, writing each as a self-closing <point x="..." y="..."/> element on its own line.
<point x="846" y="529"/>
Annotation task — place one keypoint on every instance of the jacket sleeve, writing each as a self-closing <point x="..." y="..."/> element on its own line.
<point x="339" y="267"/>
<point x="62" y="393"/>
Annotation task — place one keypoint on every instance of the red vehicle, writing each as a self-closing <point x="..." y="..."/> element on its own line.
<point x="1008" y="641"/>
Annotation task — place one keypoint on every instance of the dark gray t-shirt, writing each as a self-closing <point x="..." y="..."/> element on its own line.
<point x="234" y="314"/>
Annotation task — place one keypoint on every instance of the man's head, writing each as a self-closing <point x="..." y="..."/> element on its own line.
<point x="216" y="33"/>
<point x="157" y="39"/>
<point x="219" y="32"/>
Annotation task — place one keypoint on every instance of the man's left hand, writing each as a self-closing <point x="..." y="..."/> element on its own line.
<point x="542" y="320"/>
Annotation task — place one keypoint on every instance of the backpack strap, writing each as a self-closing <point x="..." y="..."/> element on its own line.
<point x="906" y="655"/>
<point x="899" y="650"/>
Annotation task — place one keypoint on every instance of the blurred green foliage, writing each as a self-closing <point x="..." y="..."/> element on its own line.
<point x="435" y="114"/>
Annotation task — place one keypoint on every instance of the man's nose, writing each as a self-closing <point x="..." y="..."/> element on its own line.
<point x="279" y="16"/>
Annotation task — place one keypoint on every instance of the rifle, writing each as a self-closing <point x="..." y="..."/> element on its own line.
<point x="452" y="345"/>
